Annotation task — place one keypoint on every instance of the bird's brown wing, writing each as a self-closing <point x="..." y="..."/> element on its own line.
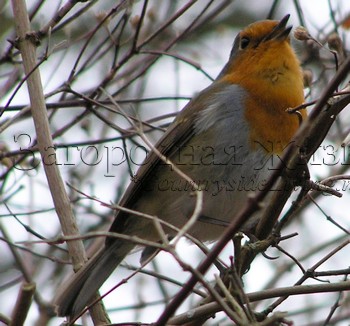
<point x="177" y="135"/>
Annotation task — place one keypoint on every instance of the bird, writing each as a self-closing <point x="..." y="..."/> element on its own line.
<point x="222" y="140"/>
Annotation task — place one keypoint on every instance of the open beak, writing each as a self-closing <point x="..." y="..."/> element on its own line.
<point x="280" y="32"/>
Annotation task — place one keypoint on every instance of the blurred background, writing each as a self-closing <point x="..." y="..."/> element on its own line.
<point x="104" y="61"/>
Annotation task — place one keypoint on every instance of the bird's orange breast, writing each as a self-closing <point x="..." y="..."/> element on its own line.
<point x="272" y="77"/>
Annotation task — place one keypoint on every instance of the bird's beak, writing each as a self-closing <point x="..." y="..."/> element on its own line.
<point x="280" y="32"/>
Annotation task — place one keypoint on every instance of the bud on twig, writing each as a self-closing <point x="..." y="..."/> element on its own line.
<point x="335" y="43"/>
<point x="135" y="21"/>
<point x="307" y="77"/>
<point x="302" y="34"/>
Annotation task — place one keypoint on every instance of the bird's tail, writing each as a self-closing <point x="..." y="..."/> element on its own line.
<point x="80" y="289"/>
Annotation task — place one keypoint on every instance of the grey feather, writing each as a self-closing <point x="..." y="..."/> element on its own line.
<point x="77" y="293"/>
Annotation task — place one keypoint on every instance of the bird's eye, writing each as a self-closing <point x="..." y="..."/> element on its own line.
<point x="244" y="42"/>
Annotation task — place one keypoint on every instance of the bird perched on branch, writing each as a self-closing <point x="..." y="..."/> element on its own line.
<point x="222" y="142"/>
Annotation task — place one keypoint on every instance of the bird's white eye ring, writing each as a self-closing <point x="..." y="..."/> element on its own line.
<point x="244" y="42"/>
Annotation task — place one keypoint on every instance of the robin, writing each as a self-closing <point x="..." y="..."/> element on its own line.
<point x="219" y="145"/>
